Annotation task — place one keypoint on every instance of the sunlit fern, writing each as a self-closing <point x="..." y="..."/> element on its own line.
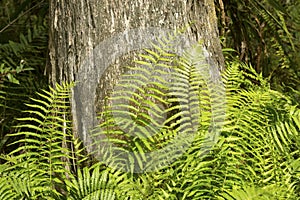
<point x="256" y="157"/>
<point x="257" y="152"/>
<point x="256" y="146"/>
<point x="101" y="182"/>
<point x="157" y="108"/>
<point x="42" y="159"/>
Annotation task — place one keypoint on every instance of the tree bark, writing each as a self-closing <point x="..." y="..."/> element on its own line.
<point x="78" y="26"/>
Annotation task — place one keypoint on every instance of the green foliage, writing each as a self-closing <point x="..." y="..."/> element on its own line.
<point x="255" y="157"/>
<point x="253" y="193"/>
<point x="257" y="154"/>
<point x="8" y="74"/>
<point x="96" y="182"/>
<point x="156" y="108"/>
<point x="23" y="49"/>
<point x="43" y="159"/>
<point x="265" y="34"/>
<point x="24" y="34"/>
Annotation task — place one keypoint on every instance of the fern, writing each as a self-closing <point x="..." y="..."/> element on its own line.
<point x="98" y="182"/>
<point x="43" y="154"/>
<point x="252" y="192"/>
<point x="247" y="155"/>
<point x="264" y="33"/>
<point x="14" y="52"/>
<point x="163" y="119"/>
<point x="251" y="139"/>
<point x="256" y="149"/>
<point x="156" y="109"/>
<point x="23" y="46"/>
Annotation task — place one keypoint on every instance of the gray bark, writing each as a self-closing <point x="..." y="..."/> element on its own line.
<point x="78" y="26"/>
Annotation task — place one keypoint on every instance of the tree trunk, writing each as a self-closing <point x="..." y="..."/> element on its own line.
<point x="77" y="27"/>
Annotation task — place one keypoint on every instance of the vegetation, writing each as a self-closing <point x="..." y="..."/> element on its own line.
<point x="266" y="34"/>
<point x="257" y="152"/>
<point x="23" y="48"/>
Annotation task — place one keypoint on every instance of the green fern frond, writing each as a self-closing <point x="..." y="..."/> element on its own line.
<point x="156" y="108"/>
<point x="274" y="19"/>
<point x="247" y="151"/>
<point x="256" y="193"/>
<point x="139" y="103"/>
<point x="23" y="46"/>
<point x="97" y="183"/>
<point x="255" y="143"/>
<point x="44" y="140"/>
<point x="165" y="98"/>
<point x="12" y="53"/>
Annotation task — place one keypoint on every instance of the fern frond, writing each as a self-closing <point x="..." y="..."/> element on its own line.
<point x="253" y="193"/>
<point x="247" y="152"/>
<point x="139" y="104"/>
<point x="155" y="108"/>
<point x="44" y="139"/>
<point x="97" y="183"/>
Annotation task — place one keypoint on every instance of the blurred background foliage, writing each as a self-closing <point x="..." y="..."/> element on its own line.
<point x="265" y="34"/>
<point x="23" y="54"/>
